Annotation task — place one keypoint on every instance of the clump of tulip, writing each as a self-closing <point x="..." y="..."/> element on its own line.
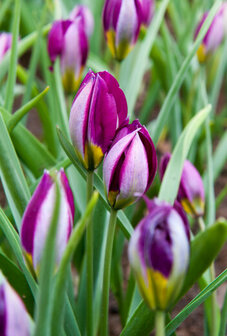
<point x="191" y="190"/>
<point x="14" y="319"/>
<point x="68" y="40"/>
<point x="214" y="35"/>
<point x="39" y="213"/>
<point x="159" y="252"/>
<point x="98" y="110"/>
<point x="129" y="166"/>
<point x="121" y="22"/>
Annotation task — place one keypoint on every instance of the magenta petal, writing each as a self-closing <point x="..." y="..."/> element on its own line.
<point x="30" y="217"/>
<point x="134" y="171"/>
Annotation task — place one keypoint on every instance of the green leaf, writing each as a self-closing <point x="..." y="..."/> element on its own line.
<point x="166" y="107"/>
<point x="59" y="288"/>
<point x="13" y="57"/>
<point x="14" y="241"/>
<point x="70" y="152"/>
<point x="12" y="176"/>
<point x="36" y="157"/>
<point x="17" y="280"/>
<point x="223" y="325"/>
<point x="135" y="74"/>
<point x="204" y="249"/>
<point x="200" y="298"/>
<point x="171" y="179"/>
<point x="19" y="114"/>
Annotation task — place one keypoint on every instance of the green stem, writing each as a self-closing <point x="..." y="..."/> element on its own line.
<point x="106" y="273"/>
<point x="201" y="224"/>
<point x="159" y="323"/>
<point x="89" y="260"/>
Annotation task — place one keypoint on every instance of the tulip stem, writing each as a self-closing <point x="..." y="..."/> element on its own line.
<point x="89" y="260"/>
<point x="106" y="273"/>
<point x="159" y="323"/>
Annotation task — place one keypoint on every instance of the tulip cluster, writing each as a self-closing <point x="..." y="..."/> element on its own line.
<point x="191" y="190"/>
<point x="5" y="44"/>
<point x="39" y="212"/>
<point x="215" y="33"/>
<point x="68" y="40"/>
<point x="14" y="320"/>
<point x="159" y="254"/>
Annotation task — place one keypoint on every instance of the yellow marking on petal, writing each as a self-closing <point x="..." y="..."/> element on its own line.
<point x="201" y="53"/>
<point x="160" y="288"/>
<point x="70" y="82"/>
<point x="194" y="208"/>
<point x="112" y="197"/>
<point x="93" y="156"/>
<point x="110" y="39"/>
<point x="122" y="50"/>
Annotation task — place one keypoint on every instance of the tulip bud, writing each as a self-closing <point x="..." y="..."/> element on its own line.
<point x="191" y="190"/>
<point x="5" y="44"/>
<point x="68" y="40"/>
<point x="147" y="9"/>
<point x="39" y="212"/>
<point x="14" y="320"/>
<point x="214" y="35"/>
<point x="98" y="109"/>
<point x="159" y="254"/>
<point x="121" y="21"/>
<point x="129" y="166"/>
<point x="87" y="18"/>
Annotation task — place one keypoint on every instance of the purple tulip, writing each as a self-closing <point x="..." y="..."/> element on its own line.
<point x="214" y="35"/>
<point x="14" y="320"/>
<point x="147" y="8"/>
<point x="68" y="40"/>
<point x="5" y="44"/>
<point x="98" y="109"/>
<point x="39" y="212"/>
<point x="159" y="254"/>
<point x="87" y="18"/>
<point x="130" y="165"/>
<point x="121" y="21"/>
<point x="191" y="190"/>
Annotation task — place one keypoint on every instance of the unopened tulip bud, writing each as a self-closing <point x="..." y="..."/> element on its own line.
<point x="39" y="213"/>
<point x="129" y="166"/>
<point x="14" y="320"/>
<point x="5" y="44"/>
<point x="214" y="35"/>
<point x="121" y="21"/>
<point x="98" y="109"/>
<point x="87" y="18"/>
<point x="68" y="41"/>
<point x="191" y="190"/>
<point x="147" y="9"/>
<point x="159" y="254"/>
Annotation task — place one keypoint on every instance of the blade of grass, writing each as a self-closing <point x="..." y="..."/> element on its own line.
<point x="170" y="183"/>
<point x="13" y="180"/>
<point x="198" y="300"/>
<point x="18" y="115"/>
<point x="223" y="326"/>
<point x="4" y="7"/>
<point x="13" y="58"/>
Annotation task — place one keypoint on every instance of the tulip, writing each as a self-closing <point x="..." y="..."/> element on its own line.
<point x="98" y="109"/>
<point x="87" y="18"/>
<point x="147" y="9"/>
<point x="68" y="41"/>
<point x="214" y="35"/>
<point x="39" y="212"/>
<point x="159" y="254"/>
<point x="121" y="21"/>
<point x="14" y="320"/>
<point x="129" y="166"/>
<point x="5" y="44"/>
<point x="191" y="190"/>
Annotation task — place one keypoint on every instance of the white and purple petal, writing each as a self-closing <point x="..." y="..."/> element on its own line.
<point x="87" y="18"/>
<point x="5" y="43"/>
